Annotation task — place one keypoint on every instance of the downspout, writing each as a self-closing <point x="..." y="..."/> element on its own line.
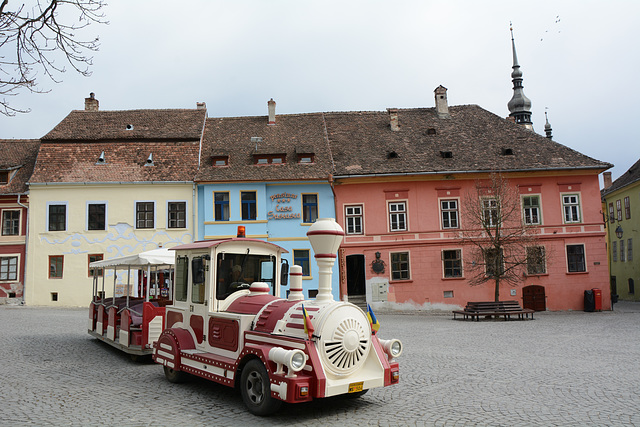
<point x="193" y="212"/>
<point x="26" y="245"/>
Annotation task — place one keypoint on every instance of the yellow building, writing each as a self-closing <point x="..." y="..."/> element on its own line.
<point x="108" y="184"/>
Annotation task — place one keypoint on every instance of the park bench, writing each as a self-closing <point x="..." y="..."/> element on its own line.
<point x="506" y="309"/>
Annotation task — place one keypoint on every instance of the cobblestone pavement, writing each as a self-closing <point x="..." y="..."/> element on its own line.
<point x="561" y="369"/>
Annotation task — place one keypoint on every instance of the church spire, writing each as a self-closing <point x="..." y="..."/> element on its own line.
<point x="520" y="105"/>
<point x="547" y="127"/>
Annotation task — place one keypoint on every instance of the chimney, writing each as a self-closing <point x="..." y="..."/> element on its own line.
<point x="91" y="103"/>
<point x="442" y="107"/>
<point x="272" y="111"/>
<point x="606" y="177"/>
<point x="393" y="119"/>
<point x="201" y="105"/>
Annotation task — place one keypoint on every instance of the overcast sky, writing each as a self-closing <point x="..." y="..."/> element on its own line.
<point x="579" y="58"/>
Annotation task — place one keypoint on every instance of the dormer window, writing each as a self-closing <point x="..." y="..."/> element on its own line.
<point x="392" y="155"/>
<point x="305" y="158"/>
<point x="269" y="159"/>
<point x="446" y="154"/>
<point x="507" y="152"/>
<point x="431" y="131"/>
<point x="220" y="161"/>
<point x="4" y="177"/>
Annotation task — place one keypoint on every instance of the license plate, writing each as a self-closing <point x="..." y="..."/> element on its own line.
<point x="356" y="387"/>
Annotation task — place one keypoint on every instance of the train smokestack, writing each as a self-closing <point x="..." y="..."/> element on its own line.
<point x="325" y="236"/>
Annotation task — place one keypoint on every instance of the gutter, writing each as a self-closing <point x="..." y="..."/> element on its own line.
<point x="44" y="184"/>
<point x="26" y="246"/>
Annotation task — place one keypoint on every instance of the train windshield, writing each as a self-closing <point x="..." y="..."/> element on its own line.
<point x="237" y="271"/>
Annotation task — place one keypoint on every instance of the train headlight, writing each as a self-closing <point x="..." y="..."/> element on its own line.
<point x="393" y="348"/>
<point x="298" y="361"/>
<point x="294" y="360"/>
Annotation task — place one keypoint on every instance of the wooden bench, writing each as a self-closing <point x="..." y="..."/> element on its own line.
<point x="506" y="309"/>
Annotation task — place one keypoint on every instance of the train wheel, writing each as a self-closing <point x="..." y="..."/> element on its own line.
<point x="256" y="389"/>
<point x="174" y="376"/>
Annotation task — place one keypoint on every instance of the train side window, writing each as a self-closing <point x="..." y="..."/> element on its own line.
<point x="181" y="278"/>
<point x="197" y="280"/>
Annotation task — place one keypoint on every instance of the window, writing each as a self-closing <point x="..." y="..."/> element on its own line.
<point x="221" y="206"/>
<point x="490" y="212"/>
<point x="494" y="262"/>
<point x="305" y="158"/>
<point x="248" y="199"/>
<point x="449" y="210"/>
<point x="627" y="208"/>
<point x="96" y="216"/>
<point x="353" y="216"/>
<point x="531" y="209"/>
<point x="619" y="210"/>
<point x="269" y="159"/>
<point x="632" y="286"/>
<point x="612" y="217"/>
<point x="301" y="258"/>
<point x="614" y="251"/>
<point x="571" y="206"/>
<point x="182" y="277"/>
<point x="629" y="249"/>
<point x="452" y="261"/>
<point x="4" y="177"/>
<point x="94" y="258"/>
<point x="10" y="223"/>
<point x="397" y="216"/>
<point x="622" y="253"/>
<point x="309" y="207"/>
<point x="400" y="266"/>
<point x="575" y="259"/>
<point x="177" y="214"/>
<point x="145" y="214"/>
<point x="220" y="160"/>
<point x="536" y="260"/>
<point x="57" y="217"/>
<point x="56" y="264"/>
<point x="9" y="268"/>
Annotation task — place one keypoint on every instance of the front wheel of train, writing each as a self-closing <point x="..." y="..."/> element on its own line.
<point x="175" y="376"/>
<point x="256" y="389"/>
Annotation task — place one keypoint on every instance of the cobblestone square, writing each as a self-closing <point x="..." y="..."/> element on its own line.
<point x="570" y="368"/>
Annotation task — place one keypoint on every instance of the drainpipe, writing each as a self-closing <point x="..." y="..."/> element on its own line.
<point x="193" y="212"/>
<point x="26" y="244"/>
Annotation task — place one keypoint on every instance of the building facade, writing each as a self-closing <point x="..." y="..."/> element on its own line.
<point x="621" y="201"/>
<point x="108" y="184"/>
<point x="17" y="158"/>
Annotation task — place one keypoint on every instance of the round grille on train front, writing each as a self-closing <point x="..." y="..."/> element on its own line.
<point x="346" y="340"/>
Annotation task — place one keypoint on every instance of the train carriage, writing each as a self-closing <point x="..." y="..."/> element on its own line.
<point x="228" y="323"/>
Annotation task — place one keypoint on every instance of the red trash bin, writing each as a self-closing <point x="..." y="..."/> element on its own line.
<point x="597" y="296"/>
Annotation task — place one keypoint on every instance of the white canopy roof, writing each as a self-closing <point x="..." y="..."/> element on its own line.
<point x="161" y="258"/>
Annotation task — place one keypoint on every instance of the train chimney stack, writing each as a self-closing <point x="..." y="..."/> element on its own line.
<point x="325" y="236"/>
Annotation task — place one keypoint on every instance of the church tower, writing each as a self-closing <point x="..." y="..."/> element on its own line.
<point x="520" y="105"/>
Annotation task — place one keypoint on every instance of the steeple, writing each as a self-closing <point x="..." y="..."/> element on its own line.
<point x="547" y="126"/>
<point x="520" y="105"/>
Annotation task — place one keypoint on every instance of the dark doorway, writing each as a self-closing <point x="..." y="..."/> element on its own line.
<point x="533" y="297"/>
<point x="355" y="275"/>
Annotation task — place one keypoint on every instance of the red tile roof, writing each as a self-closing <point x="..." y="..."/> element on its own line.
<point x="18" y="155"/>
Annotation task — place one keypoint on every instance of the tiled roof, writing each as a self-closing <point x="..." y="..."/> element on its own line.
<point x="129" y="125"/>
<point x="362" y="143"/>
<point x="124" y="162"/>
<point x="629" y="177"/>
<point x="18" y="155"/>
<point x="292" y="134"/>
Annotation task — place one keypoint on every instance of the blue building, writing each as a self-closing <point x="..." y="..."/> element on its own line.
<point x="271" y="176"/>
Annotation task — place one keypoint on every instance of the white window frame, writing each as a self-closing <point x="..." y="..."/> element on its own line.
<point x="66" y="216"/>
<point x="186" y="214"/>
<point x="106" y="213"/>
<point x="444" y="275"/>
<point x="538" y="208"/>
<point x="397" y="214"/>
<point x="574" y="206"/>
<point x="448" y="211"/>
<point x="490" y="208"/>
<point x="135" y="214"/>
<point x="544" y="260"/>
<point x="584" y="254"/>
<point x="359" y="217"/>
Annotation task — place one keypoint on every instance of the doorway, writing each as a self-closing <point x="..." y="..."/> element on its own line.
<point x="533" y="297"/>
<point x="356" y="291"/>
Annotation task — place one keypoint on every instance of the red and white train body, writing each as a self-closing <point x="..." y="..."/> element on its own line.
<point x="273" y="349"/>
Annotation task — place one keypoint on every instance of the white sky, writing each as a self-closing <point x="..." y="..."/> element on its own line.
<point x="362" y="55"/>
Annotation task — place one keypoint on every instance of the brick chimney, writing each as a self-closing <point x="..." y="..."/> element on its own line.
<point x="91" y="103"/>
<point x="272" y="111"/>
<point x="606" y="178"/>
<point x="393" y="119"/>
<point x="442" y="106"/>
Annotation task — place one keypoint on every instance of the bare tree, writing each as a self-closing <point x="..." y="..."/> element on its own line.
<point x="503" y="247"/>
<point x="42" y="37"/>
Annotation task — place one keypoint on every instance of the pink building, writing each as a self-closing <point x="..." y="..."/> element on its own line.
<point x="400" y="183"/>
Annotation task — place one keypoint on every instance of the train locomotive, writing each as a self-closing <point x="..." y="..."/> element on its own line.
<point x="228" y="324"/>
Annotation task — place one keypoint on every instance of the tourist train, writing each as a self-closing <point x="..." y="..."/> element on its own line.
<point x="226" y="322"/>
